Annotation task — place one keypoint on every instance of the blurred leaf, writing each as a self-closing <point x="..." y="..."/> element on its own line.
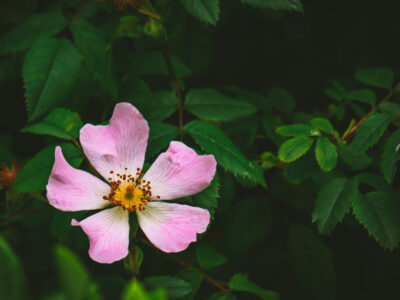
<point x="153" y="63"/>
<point x="208" y="198"/>
<point x="312" y="263"/>
<point x="269" y="160"/>
<point x="175" y="287"/>
<point x="93" y="49"/>
<point x="161" y="134"/>
<point x="333" y="202"/>
<point x="242" y="132"/>
<point x="240" y="282"/>
<point x="254" y="214"/>
<point x="379" y="213"/>
<point x="157" y="106"/>
<point x="380" y="77"/>
<point x="12" y="281"/>
<point x="354" y="160"/>
<point x="363" y="95"/>
<point x="294" y="148"/>
<point x="129" y="26"/>
<point x="50" y="70"/>
<point x="135" y="291"/>
<point x="296" y="129"/>
<point x="138" y="259"/>
<point x="75" y="280"/>
<point x="36" y="27"/>
<point x="205" y="10"/>
<point x="194" y="277"/>
<point x="276" y="4"/>
<point x="209" y="104"/>
<point x="374" y="180"/>
<point x="326" y="154"/>
<point x="322" y="124"/>
<point x="390" y="156"/>
<point x="258" y="100"/>
<point x="370" y="132"/>
<point x="221" y="296"/>
<point x="270" y="124"/>
<point x="208" y="257"/>
<point x="390" y="108"/>
<point x="281" y="99"/>
<point x="61" y="123"/>
<point x="35" y="174"/>
<point x="213" y="141"/>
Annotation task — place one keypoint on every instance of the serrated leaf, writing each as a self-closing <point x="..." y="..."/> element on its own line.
<point x="61" y="123"/>
<point x="379" y="213"/>
<point x="281" y="99"/>
<point x="326" y="154"/>
<point x="92" y="46"/>
<point x="276" y="4"/>
<point x="34" y="28"/>
<point x="390" y="156"/>
<point x="362" y="95"/>
<point x="370" y="131"/>
<point x="209" y="104"/>
<point x="205" y="10"/>
<point x="157" y="106"/>
<point x="35" y="174"/>
<point x="12" y="280"/>
<point x="380" y="77"/>
<point x="294" y="148"/>
<point x="174" y="286"/>
<point x="322" y="124"/>
<point x="214" y="141"/>
<point x="312" y="263"/>
<point x="161" y="134"/>
<point x="194" y="278"/>
<point x="239" y="282"/>
<point x="50" y="70"/>
<point x="208" y="257"/>
<point x="333" y="202"/>
<point x="295" y="130"/>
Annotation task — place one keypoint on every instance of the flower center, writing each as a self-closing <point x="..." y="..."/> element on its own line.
<point x="132" y="193"/>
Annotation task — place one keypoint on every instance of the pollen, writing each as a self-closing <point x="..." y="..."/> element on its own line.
<point x="130" y="192"/>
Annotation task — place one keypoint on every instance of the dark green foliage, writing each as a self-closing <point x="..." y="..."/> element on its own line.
<point x="206" y="10"/>
<point x="276" y="4"/>
<point x="390" y="156"/>
<point x="363" y="95"/>
<point x="175" y="287"/>
<point x="380" y="77"/>
<point x="161" y="135"/>
<point x="240" y="282"/>
<point x="208" y="257"/>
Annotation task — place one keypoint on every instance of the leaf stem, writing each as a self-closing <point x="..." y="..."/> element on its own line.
<point x="132" y="255"/>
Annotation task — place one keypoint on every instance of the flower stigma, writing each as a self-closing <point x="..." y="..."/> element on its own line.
<point x="132" y="193"/>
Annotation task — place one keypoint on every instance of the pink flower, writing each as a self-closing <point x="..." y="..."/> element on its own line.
<point x="117" y="152"/>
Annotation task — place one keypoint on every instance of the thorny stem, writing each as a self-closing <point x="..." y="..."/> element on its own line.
<point x="132" y="257"/>
<point x="354" y="129"/>
<point x="207" y="277"/>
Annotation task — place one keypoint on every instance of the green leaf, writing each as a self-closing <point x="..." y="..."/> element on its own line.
<point x="157" y="106"/>
<point x="276" y="4"/>
<point x="312" y="263"/>
<point x="129" y="26"/>
<point x="214" y="141"/>
<point x="34" y="28"/>
<point x="194" y="277"/>
<point x="222" y="296"/>
<point x="208" y="198"/>
<point x="294" y="148"/>
<point x="74" y="278"/>
<point x="208" y="257"/>
<point x="174" y="286"/>
<point x="205" y="10"/>
<point x="390" y="108"/>
<point x="354" y="160"/>
<point x="135" y="291"/>
<point x="326" y="154"/>
<point x="138" y="259"/>
<point x="362" y="95"/>
<point x="12" y="281"/>
<point x="209" y="104"/>
<point x="322" y="124"/>
<point x="35" y="174"/>
<point x="374" y="180"/>
<point x="61" y="123"/>
<point x="160" y="136"/>
<point x="390" y="156"/>
<point x="242" y="132"/>
<point x="379" y="213"/>
<point x="92" y="46"/>
<point x="370" y="131"/>
<point x="50" y="70"/>
<point x="333" y="202"/>
<point x="380" y="77"/>
<point x="239" y="282"/>
<point x="296" y="129"/>
<point x="281" y="99"/>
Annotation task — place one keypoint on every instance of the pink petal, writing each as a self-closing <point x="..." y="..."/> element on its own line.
<point x="180" y="172"/>
<point x="70" y="189"/>
<point x="119" y="145"/>
<point x="172" y="227"/>
<point x="108" y="233"/>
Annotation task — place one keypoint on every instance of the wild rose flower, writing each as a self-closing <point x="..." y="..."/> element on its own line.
<point x="117" y="152"/>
